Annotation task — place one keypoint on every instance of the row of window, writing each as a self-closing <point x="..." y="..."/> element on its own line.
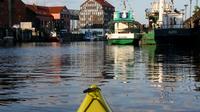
<point x="64" y="16"/>
<point x="94" y="6"/>
<point x="91" y="12"/>
<point x="91" y="4"/>
<point x="91" y="19"/>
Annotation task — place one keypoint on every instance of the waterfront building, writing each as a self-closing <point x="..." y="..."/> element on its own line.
<point x="61" y="17"/>
<point x="55" y="18"/>
<point x="95" y="16"/>
<point x="35" y="19"/>
<point x="40" y="17"/>
<point x="12" y="12"/>
<point x="74" y="21"/>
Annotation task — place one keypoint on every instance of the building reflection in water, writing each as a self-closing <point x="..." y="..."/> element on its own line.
<point x="9" y="81"/>
<point x="122" y="61"/>
<point x="35" y="75"/>
<point x="196" y="63"/>
<point x="56" y="64"/>
<point x="172" y="69"/>
<point x="89" y="60"/>
<point x="24" y="64"/>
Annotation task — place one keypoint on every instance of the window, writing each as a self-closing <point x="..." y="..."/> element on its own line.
<point x="123" y="15"/>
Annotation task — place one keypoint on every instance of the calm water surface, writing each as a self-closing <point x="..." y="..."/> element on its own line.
<point x="50" y="77"/>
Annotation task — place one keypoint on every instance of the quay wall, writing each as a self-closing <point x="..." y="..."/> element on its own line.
<point x="37" y="36"/>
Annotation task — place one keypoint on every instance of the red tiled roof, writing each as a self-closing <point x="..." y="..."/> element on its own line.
<point x="104" y="3"/>
<point x="56" y="9"/>
<point x="40" y="10"/>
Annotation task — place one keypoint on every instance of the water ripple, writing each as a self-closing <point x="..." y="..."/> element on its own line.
<point x="50" y="77"/>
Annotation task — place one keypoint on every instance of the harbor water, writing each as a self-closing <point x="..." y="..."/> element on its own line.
<point x="51" y="77"/>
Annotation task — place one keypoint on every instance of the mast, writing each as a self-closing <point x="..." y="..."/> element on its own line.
<point x="124" y="15"/>
<point x="161" y="11"/>
<point x="124" y="4"/>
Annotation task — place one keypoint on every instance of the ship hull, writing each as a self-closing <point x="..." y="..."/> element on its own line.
<point x="178" y="36"/>
<point x="123" y="39"/>
<point x="148" y="38"/>
<point x="120" y="41"/>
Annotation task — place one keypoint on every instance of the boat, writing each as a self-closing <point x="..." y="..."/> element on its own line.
<point x="89" y="36"/>
<point x="92" y="35"/>
<point x="167" y="24"/>
<point x="94" y="101"/>
<point x="148" y="38"/>
<point x="53" y="37"/>
<point x="125" y="32"/>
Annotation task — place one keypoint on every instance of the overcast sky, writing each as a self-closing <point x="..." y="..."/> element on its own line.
<point x="138" y="6"/>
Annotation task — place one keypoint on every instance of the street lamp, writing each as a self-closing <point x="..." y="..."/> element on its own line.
<point x="182" y="13"/>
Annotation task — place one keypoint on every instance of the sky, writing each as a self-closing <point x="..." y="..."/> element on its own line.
<point x="138" y="6"/>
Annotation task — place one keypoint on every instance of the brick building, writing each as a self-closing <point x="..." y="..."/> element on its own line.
<point x="12" y="12"/>
<point x="39" y="16"/>
<point x="56" y="18"/>
<point x="96" y="14"/>
<point x="9" y="16"/>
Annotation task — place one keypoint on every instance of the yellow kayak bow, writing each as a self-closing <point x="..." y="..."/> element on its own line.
<point x="94" y="101"/>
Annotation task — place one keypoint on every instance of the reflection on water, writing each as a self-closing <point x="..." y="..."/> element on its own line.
<point x="123" y="59"/>
<point x="174" y="72"/>
<point x="50" y="77"/>
<point x="178" y="63"/>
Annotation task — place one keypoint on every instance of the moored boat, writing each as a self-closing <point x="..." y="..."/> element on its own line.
<point x="174" y="36"/>
<point x="148" y="38"/>
<point x="167" y="24"/>
<point x="124" y="28"/>
<point x="53" y="37"/>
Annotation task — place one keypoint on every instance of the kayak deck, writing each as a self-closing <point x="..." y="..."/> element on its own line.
<point x="94" y="101"/>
